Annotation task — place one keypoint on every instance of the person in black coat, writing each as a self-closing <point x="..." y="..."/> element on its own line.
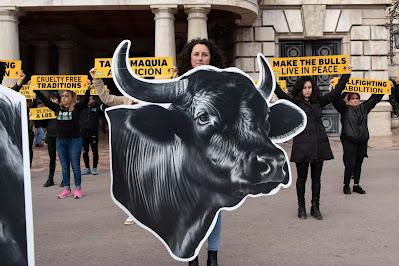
<point x="311" y="147"/>
<point x="51" y="138"/>
<point x="89" y="125"/>
<point x="354" y="135"/>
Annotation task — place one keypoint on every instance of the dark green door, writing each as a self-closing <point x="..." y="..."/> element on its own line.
<point x="315" y="48"/>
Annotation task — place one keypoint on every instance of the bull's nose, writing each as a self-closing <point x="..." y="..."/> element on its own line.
<point x="264" y="165"/>
<point x="267" y="167"/>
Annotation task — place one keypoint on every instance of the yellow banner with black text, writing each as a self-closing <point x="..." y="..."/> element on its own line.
<point x="145" y="67"/>
<point x="372" y="86"/>
<point x="59" y="82"/>
<point x="12" y="68"/>
<point x="42" y="113"/>
<point x="310" y="65"/>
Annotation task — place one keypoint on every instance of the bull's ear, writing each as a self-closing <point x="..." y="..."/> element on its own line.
<point x="286" y="121"/>
<point x="152" y="121"/>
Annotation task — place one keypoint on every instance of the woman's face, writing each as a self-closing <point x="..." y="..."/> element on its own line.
<point x="307" y="89"/>
<point x="66" y="98"/>
<point x="354" y="100"/>
<point x="200" y="55"/>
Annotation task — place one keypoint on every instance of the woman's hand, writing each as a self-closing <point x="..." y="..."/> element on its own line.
<point x="93" y="72"/>
<point x="21" y="77"/>
<point x="350" y="68"/>
<point x="175" y="72"/>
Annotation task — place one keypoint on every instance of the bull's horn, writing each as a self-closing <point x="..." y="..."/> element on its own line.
<point x="266" y="83"/>
<point x="130" y="84"/>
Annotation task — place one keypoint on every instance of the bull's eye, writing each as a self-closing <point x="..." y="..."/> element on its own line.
<point x="203" y="118"/>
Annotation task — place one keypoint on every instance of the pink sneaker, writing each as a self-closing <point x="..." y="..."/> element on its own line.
<point x="65" y="193"/>
<point x="77" y="194"/>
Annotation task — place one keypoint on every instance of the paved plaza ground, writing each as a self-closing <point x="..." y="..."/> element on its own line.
<point x="357" y="229"/>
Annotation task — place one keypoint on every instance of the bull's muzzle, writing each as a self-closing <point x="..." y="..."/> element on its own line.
<point x="265" y="167"/>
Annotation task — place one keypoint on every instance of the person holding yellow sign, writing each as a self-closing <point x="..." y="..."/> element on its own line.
<point x="17" y="87"/>
<point x="354" y="135"/>
<point x="311" y="147"/>
<point x="69" y="142"/>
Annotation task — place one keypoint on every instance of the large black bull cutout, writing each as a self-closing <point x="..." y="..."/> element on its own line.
<point x="16" y="226"/>
<point x="213" y="145"/>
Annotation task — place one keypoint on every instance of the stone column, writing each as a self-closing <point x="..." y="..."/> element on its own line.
<point x="9" y="44"/>
<point x="42" y="56"/>
<point x="65" y="57"/>
<point x="197" y="19"/>
<point x="165" y="30"/>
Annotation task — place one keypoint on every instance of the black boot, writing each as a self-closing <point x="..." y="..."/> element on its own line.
<point x="358" y="189"/>
<point x="194" y="262"/>
<point x="49" y="182"/>
<point x="300" y="192"/>
<point x="301" y="210"/>
<point x="212" y="258"/>
<point x="315" y="211"/>
<point x="62" y="183"/>
<point x="347" y="190"/>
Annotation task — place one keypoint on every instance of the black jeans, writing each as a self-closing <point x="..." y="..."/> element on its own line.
<point x="52" y="153"/>
<point x="91" y="141"/>
<point x="353" y="159"/>
<point x="302" y="171"/>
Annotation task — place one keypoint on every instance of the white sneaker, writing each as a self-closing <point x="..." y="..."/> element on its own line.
<point x="86" y="171"/>
<point x="129" y="221"/>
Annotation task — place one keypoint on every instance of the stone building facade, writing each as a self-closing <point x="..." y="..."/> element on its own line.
<point x="64" y="38"/>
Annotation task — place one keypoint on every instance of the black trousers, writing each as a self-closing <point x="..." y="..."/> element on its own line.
<point x="90" y="141"/>
<point x="353" y="159"/>
<point x="302" y="171"/>
<point x="52" y="153"/>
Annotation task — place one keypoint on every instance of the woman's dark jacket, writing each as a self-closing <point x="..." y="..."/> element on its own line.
<point x="354" y="119"/>
<point x="89" y="120"/>
<point x="312" y="144"/>
<point x="67" y="121"/>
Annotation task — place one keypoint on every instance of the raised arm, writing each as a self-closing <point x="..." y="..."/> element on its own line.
<point x="281" y="94"/>
<point x="105" y="96"/>
<point x="21" y="76"/>
<point x="372" y="101"/>
<point x="53" y="106"/>
<point x="328" y="97"/>
<point x="84" y="100"/>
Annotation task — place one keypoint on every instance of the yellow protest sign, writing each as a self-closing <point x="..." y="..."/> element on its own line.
<point x="25" y="91"/>
<point x="12" y="68"/>
<point x="58" y="82"/>
<point x="83" y="91"/>
<point x="310" y="65"/>
<point x="372" y="86"/>
<point x="145" y="67"/>
<point x="42" y="113"/>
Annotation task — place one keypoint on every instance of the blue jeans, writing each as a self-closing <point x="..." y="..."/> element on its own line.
<point x="39" y="134"/>
<point x="214" y="237"/>
<point x="69" y="152"/>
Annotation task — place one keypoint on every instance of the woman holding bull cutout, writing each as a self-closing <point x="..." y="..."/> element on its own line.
<point x="311" y="147"/>
<point x="195" y="53"/>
